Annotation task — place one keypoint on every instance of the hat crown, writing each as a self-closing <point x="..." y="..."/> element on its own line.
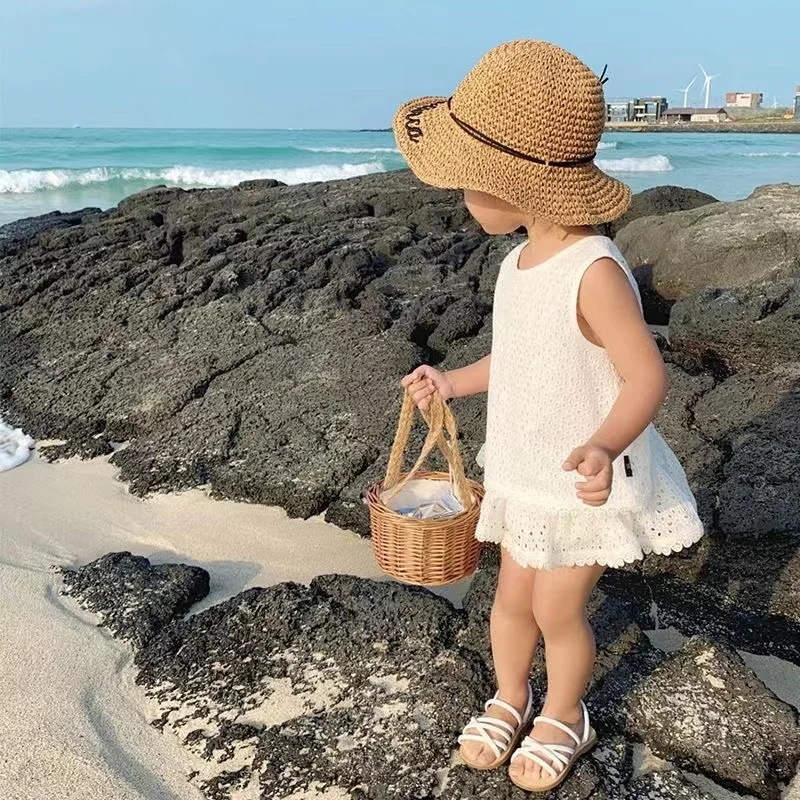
<point x="534" y="97"/>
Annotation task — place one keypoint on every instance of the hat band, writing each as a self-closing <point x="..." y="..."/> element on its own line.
<point x="484" y="139"/>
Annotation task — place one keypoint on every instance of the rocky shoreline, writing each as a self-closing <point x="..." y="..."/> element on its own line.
<point x="251" y="340"/>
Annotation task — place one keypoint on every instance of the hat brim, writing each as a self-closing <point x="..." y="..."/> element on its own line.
<point x="442" y="154"/>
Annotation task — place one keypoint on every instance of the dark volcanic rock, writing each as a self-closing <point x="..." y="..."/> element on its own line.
<point x="319" y="687"/>
<point x="721" y="245"/>
<point x="477" y="603"/>
<point x="700" y="456"/>
<point x="755" y="418"/>
<point x="667" y="785"/>
<point x="706" y="710"/>
<point x="462" y="782"/>
<point x="362" y="687"/>
<point x="658" y="201"/>
<point x="349" y="683"/>
<point x="251" y="339"/>
<point x="134" y="598"/>
<point x="754" y="327"/>
<point x="18" y="235"/>
<point x="737" y="439"/>
<point x="743" y="590"/>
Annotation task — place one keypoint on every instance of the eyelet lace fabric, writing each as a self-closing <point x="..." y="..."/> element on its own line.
<point x="549" y="390"/>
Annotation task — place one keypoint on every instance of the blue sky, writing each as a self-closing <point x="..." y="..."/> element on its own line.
<point x="349" y="63"/>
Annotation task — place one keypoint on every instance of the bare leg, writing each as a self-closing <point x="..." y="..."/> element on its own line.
<point x="514" y="636"/>
<point x="559" y="605"/>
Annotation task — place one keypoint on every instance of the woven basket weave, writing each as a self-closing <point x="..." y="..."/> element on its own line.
<point x="426" y="552"/>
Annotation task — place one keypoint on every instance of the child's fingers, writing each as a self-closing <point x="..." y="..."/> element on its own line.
<point x="594" y="497"/>
<point x="422" y="373"/>
<point x="422" y="395"/>
<point x="591" y="467"/>
<point x="596" y="465"/>
<point x="596" y="483"/>
<point x="572" y="461"/>
<point x="413" y="377"/>
<point x="415" y="386"/>
<point x="425" y="399"/>
<point x="422" y="383"/>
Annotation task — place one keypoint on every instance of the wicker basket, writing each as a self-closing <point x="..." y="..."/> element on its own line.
<point x="427" y="552"/>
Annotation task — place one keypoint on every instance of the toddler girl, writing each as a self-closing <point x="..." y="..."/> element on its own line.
<point x="577" y="479"/>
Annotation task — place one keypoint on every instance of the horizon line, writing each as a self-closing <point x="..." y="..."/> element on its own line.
<point x="171" y="128"/>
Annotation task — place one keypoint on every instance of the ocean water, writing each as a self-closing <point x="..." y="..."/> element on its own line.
<point x="47" y="169"/>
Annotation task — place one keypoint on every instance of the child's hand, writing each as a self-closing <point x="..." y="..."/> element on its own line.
<point x="423" y="382"/>
<point x="594" y="463"/>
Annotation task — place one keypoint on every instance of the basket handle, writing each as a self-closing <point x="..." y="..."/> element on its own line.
<point x="440" y="420"/>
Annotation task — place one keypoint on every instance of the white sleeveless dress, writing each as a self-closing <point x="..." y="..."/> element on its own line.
<point x="549" y="391"/>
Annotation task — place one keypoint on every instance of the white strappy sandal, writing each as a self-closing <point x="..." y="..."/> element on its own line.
<point x="485" y="726"/>
<point x="554" y="759"/>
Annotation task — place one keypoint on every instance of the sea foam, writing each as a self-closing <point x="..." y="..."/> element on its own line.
<point x="792" y="154"/>
<point x="25" y="181"/>
<point x="644" y="164"/>
<point x="15" y="447"/>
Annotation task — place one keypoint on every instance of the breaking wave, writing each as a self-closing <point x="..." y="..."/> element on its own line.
<point x="644" y="164"/>
<point x="26" y="181"/>
<point x="792" y="154"/>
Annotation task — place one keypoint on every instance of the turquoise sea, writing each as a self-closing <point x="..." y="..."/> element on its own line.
<point x="45" y="169"/>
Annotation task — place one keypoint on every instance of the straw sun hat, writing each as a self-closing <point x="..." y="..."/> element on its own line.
<point x="524" y="126"/>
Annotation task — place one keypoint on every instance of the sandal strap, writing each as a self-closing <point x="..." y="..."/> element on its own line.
<point x="560" y="725"/>
<point x="494" y="722"/>
<point x="483" y="725"/>
<point x="559" y="755"/>
<point x="496" y="701"/>
<point x="531" y="756"/>
<point x="482" y="735"/>
<point x="579" y="740"/>
<point x="473" y="737"/>
<point x="486" y="724"/>
<point x="560" y="752"/>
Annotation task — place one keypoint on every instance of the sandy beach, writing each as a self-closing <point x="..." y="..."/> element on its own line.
<point x="67" y="687"/>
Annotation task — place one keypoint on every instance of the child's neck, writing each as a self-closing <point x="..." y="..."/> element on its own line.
<point x="546" y="239"/>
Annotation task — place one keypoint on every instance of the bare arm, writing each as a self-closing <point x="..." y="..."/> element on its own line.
<point x="472" y="379"/>
<point x="608" y="307"/>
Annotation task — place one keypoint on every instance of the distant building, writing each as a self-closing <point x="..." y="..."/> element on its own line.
<point x="744" y="99"/>
<point x="797" y="103"/>
<point x="679" y="115"/>
<point x="619" y="111"/>
<point x="648" y="109"/>
<point x="640" y="109"/>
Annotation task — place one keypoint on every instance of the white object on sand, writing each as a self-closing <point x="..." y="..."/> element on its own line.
<point x="15" y="447"/>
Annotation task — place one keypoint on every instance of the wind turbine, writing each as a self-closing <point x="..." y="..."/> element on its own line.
<point x="707" y="85"/>
<point x="686" y="93"/>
